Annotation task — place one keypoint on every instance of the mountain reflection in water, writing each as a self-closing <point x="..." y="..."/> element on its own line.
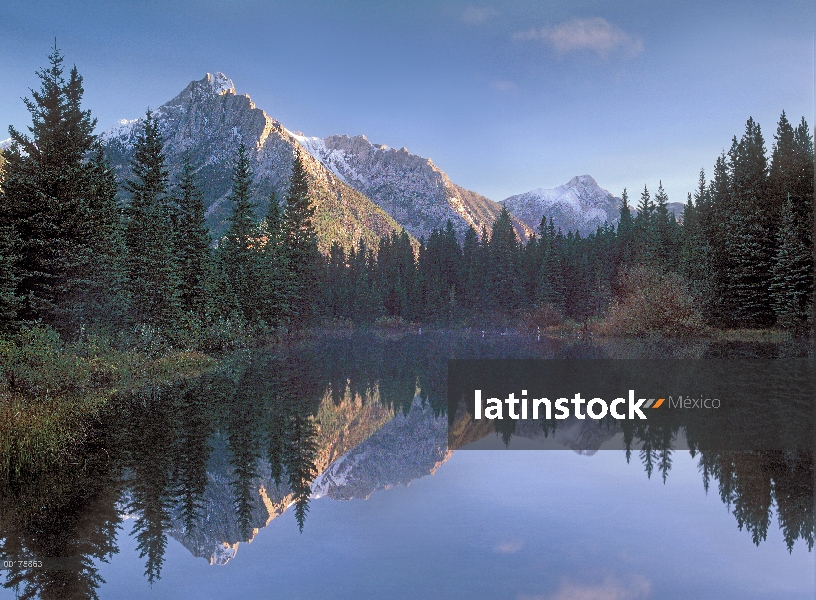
<point x="211" y="460"/>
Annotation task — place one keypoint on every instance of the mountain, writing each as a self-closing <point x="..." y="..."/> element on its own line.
<point x="216" y="533"/>
<point x="406" y="448"/>
<point x="207" y="121"/>
<point x="410" y="188"/>
<point x="359" y="189"/>
<point x="361" y="448"/>
<point x="578" y="205"/>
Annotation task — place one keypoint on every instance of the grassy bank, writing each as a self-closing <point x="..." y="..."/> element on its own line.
<point x="50" y="390"/>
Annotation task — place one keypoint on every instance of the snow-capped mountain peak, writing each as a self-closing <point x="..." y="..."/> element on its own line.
<point x="579" y="205"/>
<point x="220" y="84"/>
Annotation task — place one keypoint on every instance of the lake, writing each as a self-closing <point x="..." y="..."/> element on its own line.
<point x="321" y="469"/>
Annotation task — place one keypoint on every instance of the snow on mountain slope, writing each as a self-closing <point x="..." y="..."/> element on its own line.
<point x="206" y="123"/>
<point x="412" y="189"/>
<point x="578" y="205"/>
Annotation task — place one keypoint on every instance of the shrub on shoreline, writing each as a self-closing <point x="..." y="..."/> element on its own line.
<point x="649" y="301"/>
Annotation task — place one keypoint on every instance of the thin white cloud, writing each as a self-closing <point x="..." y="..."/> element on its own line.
<point x="509" y="547"/>
<point x="476" y="15"/>
<point x="594" y="34"/>
<point x="502" y="85"/>
<point x="637" y="589"/>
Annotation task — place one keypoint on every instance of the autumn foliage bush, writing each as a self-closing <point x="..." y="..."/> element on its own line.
<point x="647" y="301"/>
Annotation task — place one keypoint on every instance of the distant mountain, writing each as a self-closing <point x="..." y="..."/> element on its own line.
<point x="207" y="121"/>
<point x="410" y="188"/>
<point x="359" y="189"/>
<point x="578" y="205"/>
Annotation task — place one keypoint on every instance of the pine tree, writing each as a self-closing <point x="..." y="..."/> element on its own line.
<point x="551" y="287"/>
<point x="644" y="230"/>
<point x="277" y="285"/>
<point x="336" y="278"/>
<point x="748" y="241"/>
<point x="792" y="279"/>
<point x="695" y="252"/>
<point x="45" y="199"/>
<point x="626" y="227"/>
<point x="471" y="269"/>
<point x="715" y="228"/>
<point x="301" y="244"/>
<point x="192" y="245"/>
<point x="152" y="272"/>
<point x="239" y="245"/>
<point x="504" y="280"/>
<point x="665" y="230"/>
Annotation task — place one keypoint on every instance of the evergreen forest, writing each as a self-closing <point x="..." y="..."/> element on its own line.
<point x="134" y="260"/>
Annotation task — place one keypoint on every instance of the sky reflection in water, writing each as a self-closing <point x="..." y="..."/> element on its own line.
<point x="516" y="525"/>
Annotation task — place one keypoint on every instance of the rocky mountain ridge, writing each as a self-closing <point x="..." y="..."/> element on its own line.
<point x="206" y="123"/>
<point x="412" y="189"/>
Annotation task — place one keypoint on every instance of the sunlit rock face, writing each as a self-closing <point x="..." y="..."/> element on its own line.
<point x="216" y="533"/>
<point x="410" y="188"/>
<point x="578" y="205"/>
<point x="207" y="122"/>
<point x="404" y="449"/>
<point x="360" y="190"/>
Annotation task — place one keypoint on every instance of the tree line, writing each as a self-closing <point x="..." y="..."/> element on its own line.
<point x="72" y="256"/>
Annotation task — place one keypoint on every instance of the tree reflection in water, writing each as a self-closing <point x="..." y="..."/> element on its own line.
<point x="155" y="453"/>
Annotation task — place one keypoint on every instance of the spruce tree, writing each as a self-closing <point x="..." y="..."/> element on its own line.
<point x="192" y="245"/>
<point x="152" y="272"/>
<point x="645" y="225"/>
<point x="792" y="279"/>
<point x="749" y="241"/>
<point x="471" y="283"/>
<point x="695" y="251"/>
<point x="665" y="230"/>
<point x="102" y="296"/>
<point x="504" y="280"/>
<point x="239" y="245"/>
<point x="45" y="199"/>
<point x="276" y="285"/>
<point x="625" y="232"/>
<point x="301" y="244"/>
<point x="715" y="229"/>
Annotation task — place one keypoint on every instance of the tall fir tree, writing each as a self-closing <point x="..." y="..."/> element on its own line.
<point x="792" y="278"/>
<point x="239" y="246"/>
<point x="625" y="231"/>
<point x="151" y="269"/>
<point x="666" y="231"/>
<point x="645" y="230"/>
<point x="301" y="244"/>
<point x="749" y="238"/>
<point x="695" y="251"/>
<point x="276" y="285"/>
<point x="102" y="296"/>
<point x="192" y="245"/>
<point x="48" y="188"/>
<point x="503" y="269"/>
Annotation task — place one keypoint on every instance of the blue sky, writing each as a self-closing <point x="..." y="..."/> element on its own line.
<point x="503" y="96"/>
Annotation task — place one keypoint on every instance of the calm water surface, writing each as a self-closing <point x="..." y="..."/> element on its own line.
<point x="321" y="470"/>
